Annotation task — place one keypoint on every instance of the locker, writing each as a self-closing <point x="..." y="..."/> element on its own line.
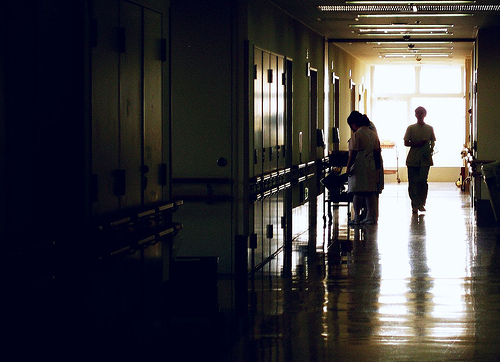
<point x="105" y="141"/>
<point x="273" y="116"/>
<point x="280" y="123"/>
<point x="258" y="109"/>
<point x="127" y="166"/>
<point x="266" y="112"/>
<point x="152" y="167"/>
<point x="269" y="137"/>
<point x="130" y="47"/>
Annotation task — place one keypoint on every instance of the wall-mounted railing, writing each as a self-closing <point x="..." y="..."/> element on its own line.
<point x="203" y="189"/>
<point x="134" y="230"/>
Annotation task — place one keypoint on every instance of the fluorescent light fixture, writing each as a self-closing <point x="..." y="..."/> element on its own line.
<point x="417" y="2"/>
<point x="406" y="43"/>
<point x="414" y="49"/>
<point x="415" y="55"/>
<point x="403" y="30"/>
<point x="419" y="15"/>
<point x="412" y="34"/>
<point x="401" y="7"/>
<point x="406" y="26"/>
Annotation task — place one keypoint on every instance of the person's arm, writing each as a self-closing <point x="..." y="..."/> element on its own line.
<point x="377" y="156"/>
<point x="407" y="138"/>
<point x="350" y="161"/>
<point x="410" y="143"/>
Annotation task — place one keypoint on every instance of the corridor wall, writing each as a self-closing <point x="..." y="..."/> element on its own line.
<point x="485" y="120"/>
<point x="85" y="117"/>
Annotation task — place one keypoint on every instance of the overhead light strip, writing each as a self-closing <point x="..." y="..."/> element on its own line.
<point x="415" y="49"/>
<point x="417" y="2"/>
<point x="407" y="26"/>
<point x="415" y="55"/>
<point x="409" y="8"/>
<point x="406" y="33"/>
<point x="412" y="15"/>
<point x="406" y="43"/>
<point x="403" y="30"/>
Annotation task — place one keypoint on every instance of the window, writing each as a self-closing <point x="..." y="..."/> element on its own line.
<point x="447" y="117"/>
<point x="398" y="90"/>
<point x="388" y="79"/>
<point x="441" y="79"/>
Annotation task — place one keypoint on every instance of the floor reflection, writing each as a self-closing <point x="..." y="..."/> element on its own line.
<point x="414" y="287"/>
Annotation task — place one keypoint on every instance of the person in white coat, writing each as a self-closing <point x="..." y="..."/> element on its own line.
<point x="363" y="168"/>
<point x="420" y="138"/>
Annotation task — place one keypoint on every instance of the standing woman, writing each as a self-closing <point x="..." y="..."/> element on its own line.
<point x="420" y="138"/>
<point x="363" y="168"/>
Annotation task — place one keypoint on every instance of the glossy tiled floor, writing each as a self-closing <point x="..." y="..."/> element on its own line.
<point x="420" y="287"/>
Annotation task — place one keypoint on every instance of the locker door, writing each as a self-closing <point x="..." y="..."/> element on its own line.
<point x="130" y="46"/>
<point x="105" y="141"/>
<point x="152" y="107"/>
<point x="281" y="113"/>
<point x="266" y="112"/>
<point x="273" y="99"/>
<point x="258" y="109"/>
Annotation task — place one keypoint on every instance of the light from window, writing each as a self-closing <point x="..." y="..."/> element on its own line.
<point x="388" y="79"/>
<point x="447" y="117"/>
<point x="441" y="79"/>
<point x="390" y="116"/>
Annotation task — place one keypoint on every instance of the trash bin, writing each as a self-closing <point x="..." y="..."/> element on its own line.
<point x="491" y="175"/>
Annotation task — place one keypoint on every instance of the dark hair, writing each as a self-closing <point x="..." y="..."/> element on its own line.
<point x="420" y="108"/>
<point x="358" y="119"/>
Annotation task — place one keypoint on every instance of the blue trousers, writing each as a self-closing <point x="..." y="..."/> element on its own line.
<point x="417" y="185"/>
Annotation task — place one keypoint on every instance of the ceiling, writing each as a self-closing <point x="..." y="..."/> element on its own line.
<point x="388" y="32"/>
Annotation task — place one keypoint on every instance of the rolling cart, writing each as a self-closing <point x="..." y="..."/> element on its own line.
<point x="391" y="146"/>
